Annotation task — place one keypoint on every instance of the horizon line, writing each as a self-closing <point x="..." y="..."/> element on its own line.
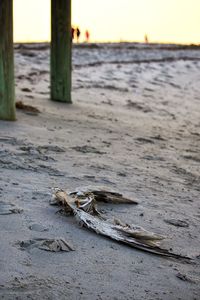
<point x="111" y="42"/>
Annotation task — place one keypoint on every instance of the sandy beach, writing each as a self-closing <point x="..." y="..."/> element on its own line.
<point x="134" y="127"/>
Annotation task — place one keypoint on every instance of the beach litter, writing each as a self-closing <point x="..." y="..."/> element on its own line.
<point x="177" y="223"/>
<point x="53" y="245"/>
<point x="82" y="203"/>
<point x="29" y="109"/>
<point x="187" y="278"/>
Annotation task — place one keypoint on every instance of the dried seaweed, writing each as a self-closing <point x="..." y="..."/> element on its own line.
<point x="52" y="245"/>
<point x="27" y="108"/>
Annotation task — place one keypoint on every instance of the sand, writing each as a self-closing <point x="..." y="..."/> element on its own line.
<point x="134" y="127"/>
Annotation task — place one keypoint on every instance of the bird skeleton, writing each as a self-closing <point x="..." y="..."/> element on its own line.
<point x="82" y="203"/>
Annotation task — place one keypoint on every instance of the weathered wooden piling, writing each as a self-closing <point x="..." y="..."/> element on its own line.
<point x="60" y="55"/>
<point x="61" y="50"/>
<point x="7" y="93"/>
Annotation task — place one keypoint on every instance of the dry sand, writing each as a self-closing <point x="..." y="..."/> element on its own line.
<point x="134" y="126"/>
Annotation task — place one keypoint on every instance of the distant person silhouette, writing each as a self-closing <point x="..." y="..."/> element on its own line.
<point x="87" y="36"/>
<point x="78" y="33"/>
<point x="146" y="39"/>
<point x="72" y="34"/>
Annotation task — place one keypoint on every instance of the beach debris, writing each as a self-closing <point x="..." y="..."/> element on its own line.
<point x="87" y="149"/>
<point x="53" y="245"/>
<point x="144" y="140"/>
<point x="138" y="106"/>
<point x="9" y="208"/>
<point x="102" y="194"/>
<point x="27" y="108"/>
<point x="83" y="205"/>
<point x="186" y="278"/>
<point x="177" y="223"/>
<point x="26" y="90"/>
<point x="40" y="152"/>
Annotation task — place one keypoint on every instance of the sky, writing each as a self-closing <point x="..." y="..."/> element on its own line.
<point x="176" y="21"/>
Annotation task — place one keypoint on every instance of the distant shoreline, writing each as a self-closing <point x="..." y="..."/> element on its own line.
<point x="130" y="45"/>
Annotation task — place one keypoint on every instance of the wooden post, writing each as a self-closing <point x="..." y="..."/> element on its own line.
<point x="7" y="93"/>
<point x="61" y="50"/>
